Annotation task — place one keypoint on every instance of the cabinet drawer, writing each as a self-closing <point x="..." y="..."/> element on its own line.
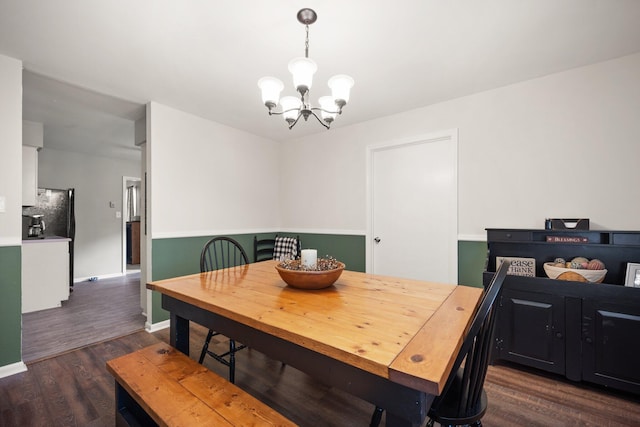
<point x="508" y="235"/>
<point x="626" y="238"/>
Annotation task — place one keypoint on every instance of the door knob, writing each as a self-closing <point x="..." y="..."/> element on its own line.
<point x="376" y="239"/>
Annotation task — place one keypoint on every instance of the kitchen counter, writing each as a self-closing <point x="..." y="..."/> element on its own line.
<point x="47" y="239"/>
<point x="45" y="273"/>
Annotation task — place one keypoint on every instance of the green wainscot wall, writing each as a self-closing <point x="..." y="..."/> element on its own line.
<point x="181" y="256"/>
<point x="472" y="258"/>
<point x="10" y="305"/>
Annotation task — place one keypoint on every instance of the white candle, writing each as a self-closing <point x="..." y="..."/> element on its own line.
<point x="309" y="258"/>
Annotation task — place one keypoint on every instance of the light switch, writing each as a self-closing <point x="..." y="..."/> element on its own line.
<point x="118" y="214"/>
<point x="2" y="204"/>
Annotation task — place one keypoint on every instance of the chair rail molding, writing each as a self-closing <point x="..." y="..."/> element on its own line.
<point x="472" y="238"/>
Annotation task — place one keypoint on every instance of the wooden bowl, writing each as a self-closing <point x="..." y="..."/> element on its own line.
<point x="302" y="279"/>
<point x="573" y="274"/>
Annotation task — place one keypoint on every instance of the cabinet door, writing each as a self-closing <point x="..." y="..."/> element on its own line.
<point x="29" y="175"/>
<point x="530" y="330"/>
<point x="610" y="338"/>
<point x="45" y="274"/>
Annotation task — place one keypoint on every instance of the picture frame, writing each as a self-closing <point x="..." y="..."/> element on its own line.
<point x="633" y="275"/>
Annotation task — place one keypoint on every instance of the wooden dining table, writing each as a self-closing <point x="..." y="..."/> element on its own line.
<point x="387" y="340"/>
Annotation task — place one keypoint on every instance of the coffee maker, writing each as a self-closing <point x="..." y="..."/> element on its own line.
<point x="36" y="226"/>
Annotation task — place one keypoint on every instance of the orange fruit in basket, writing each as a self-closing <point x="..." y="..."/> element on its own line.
<point x="571" y="276"/>
<point x="595" y="264"/>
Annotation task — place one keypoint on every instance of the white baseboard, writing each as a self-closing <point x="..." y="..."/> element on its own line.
<point x="14" y="368"/>
<point x="155" y="327"/>
<point x="103" y="276"/>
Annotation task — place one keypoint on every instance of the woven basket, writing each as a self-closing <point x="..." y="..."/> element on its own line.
<point x="573" y="274"/>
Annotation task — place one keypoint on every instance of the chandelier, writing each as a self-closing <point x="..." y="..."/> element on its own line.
<point x="302" y="69"/>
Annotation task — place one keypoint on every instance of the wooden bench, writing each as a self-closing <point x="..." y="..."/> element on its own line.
<point x="158" y="385"/>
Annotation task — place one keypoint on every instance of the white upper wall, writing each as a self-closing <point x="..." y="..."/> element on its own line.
<point x="11" y="151"/>
<point x="562" y="146"/>
<point x="32" y="134"/>
<point x="208" y="178"/>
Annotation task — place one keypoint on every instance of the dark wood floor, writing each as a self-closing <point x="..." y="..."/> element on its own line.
<point x="74" y="389"/>
<point x="95" y="311"/>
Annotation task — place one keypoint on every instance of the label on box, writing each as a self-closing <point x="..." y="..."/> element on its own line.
<point x="519" y="266"/>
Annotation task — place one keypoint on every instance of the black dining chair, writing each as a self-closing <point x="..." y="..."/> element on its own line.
<point x="463" y="400"/>
<point x="263" y="249"/>
<point x="218" y="253"/>
<point x="266" y="249"/>
<point x="286" y="247"/>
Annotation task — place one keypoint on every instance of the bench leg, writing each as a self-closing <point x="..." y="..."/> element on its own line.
<point x="376" y="417"/>
<point x="232" y="361"/>
<point x="129" y="412"/>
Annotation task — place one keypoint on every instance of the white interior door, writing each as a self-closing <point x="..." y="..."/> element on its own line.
<point x="413" y="209"/>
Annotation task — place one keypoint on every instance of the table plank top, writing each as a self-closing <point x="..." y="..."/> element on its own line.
<point x="408" y="331"/>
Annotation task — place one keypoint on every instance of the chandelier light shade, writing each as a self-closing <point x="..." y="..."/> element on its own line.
<point x="290" y="108"/>
<point x="271" y="88"/>
<point x="340" y="86"/>
<point x="327" y="104"/>
<point x="302" y="69"/>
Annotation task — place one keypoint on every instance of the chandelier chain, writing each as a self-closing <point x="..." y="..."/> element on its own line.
<point x="306" y="43"/>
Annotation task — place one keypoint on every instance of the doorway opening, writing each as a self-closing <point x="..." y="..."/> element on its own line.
<point x="85" y="131"/>
<point x="130" y="224"/>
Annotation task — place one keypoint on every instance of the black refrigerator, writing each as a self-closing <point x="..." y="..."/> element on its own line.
<point x="58" y="212"/>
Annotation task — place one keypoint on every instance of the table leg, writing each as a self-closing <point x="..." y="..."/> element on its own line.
<point x="395" y="421"/>
<point x="179" y="333"/>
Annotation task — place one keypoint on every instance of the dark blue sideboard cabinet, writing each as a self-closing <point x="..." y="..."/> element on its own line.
<point x="584" y="331"/>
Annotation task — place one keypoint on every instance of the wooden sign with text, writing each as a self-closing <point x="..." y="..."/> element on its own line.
<point x="519" y="266"/>
<point x="567" y="239"/>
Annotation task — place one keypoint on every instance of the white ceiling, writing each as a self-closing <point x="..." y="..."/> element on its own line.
<point x="205" y="57"/>
<point x="79" y="120"/>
